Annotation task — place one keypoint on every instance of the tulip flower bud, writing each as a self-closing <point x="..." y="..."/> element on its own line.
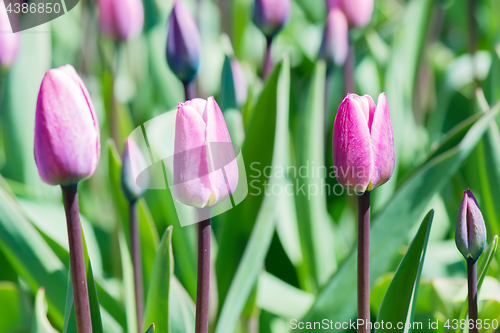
<point x="183" y="44"/>
<point x="205" y="168"/>
<point x="363" y="143"/>
<point x="358" y="12"/>
<point x="470" y="235"/>
<point x="67" y="137"/>
<point x="271" y="15"/>
<point x="121" y="19"/>
<point x="133" y="164"/>
<point x="9" y="41"/>
<point x="335" y="43"/>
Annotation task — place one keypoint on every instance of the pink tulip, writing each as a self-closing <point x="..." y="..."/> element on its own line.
<point x="67" y="137"/>
<point x="121" y="19"/>
<point x="9" y="41"/>
<point x="204" y="156"/>
<point x="240" y="82"/>
<point x="470" y="235"/>
<point x="133" y="164"/>
<point x="335" y="43"/>
<point x="358" y="12"/>
<point x="363" y="144"/>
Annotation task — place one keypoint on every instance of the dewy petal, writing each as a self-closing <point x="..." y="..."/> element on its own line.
<point x="476" y="228"/>
<point x="461" y="232"/>
<point x="352" y="154"/>
<point x="221" y="157"/>
<point x="382" y="142"/>
<point x="191" y="171"/>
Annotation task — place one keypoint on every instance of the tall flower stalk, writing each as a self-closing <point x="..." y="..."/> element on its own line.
<point x="363" y="155"/>
<point x="470" y="238"/>
<point x="67" y="150"/>
<point x="133" y="164"/>
<point x="270" y="16"/>
<point x="205" y="173"/>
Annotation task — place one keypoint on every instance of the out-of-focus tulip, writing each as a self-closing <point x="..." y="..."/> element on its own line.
<point x="240" y="82"/>
<point x="133" y="164"/>
<point x="470" y="235"/>
<point x="271" y="15"/>
<point x="183" y="43"/>
<point x="67" y="137"/>
<point x="335" y="43"/>
<point x="121" y="19"/>
<point x="363" y="143"/>
<point x="358" y="12"/>
<point x="9" y="41"/>
<point x="333" y="4"/>
<point x="205" y="169"/>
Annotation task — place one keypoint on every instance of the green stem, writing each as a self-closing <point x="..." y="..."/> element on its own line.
<point x="472" y="287"/>
<point x="364" y="261"/>
<point x="137" y="264"/>
<point x="203" y="281"/>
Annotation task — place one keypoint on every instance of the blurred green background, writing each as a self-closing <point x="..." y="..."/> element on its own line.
<point x="275" y="257"/>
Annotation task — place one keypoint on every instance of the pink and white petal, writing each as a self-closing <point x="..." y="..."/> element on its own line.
<point x="191" y="171"/>
<point x="382" y="142"/>
<point x="352" y="153"/>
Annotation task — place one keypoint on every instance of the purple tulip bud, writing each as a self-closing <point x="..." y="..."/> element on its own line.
<point x="271" y="15"/>
<point x="121" y="19"/>
<point x="183" y="44"/>
<point x="67" y="137"/>
<point x="335" y="43"/>
<point x="363" y="143"/>
<point x="470" y="235"/>
<point x="9" y="41"/>
<point x="240" y="82"/>
<point x="132" y="166"/>
<point x="358" y="12"/>
<point x="205" y="168"/>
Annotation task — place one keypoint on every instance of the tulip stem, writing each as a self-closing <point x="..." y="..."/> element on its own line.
<point x="189" y="90"/>
<point x="349" y="70"/>
<point x="137" y="263"/>
<point x="76" y="259"/>
<point x="203" y="282"/>
<point x="364" y="261"/>
<point x="472" y="286"/>
<point x="268" y="61"/>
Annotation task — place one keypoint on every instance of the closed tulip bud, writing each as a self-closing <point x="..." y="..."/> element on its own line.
<point x="335" y="43"/>
<point x="67" y="137"/>
<point x="271" y="15"/>
<point x="9" y="41"/>
<point x="240" y="82"/>
<point x="121" y="19"/>
<point x="470" y="235"/>
<point x="205" y="169"/>
<point x="183" y="44"/>
<point x="133" y="164"/>
<point x="363" y="143"/>
<point x="358" y="12"/>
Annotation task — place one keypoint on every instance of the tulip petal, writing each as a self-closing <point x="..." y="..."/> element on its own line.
<point x="66" y="130"/>
<point x="461" y="232"/>
<point x="191" y="171"/>
<point x="352" y="154"/>
<point x="221" y="152"/>
<point x="476" y="228"/>
<point x="382" y="142"/>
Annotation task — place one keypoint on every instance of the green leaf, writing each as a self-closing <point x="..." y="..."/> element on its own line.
<point x="406" y="207"/>
<point x="12" y="316"/>
<point x="315" y="226"/>
<point x="483" y="265"/>
<point x="227" y="98"/>
<point x="182" y="309"/>
<point x="31" y="257"/>
<point x="400" y="298"/>
<point x="151" y="328"/>
<point x="249" y="267"/>
<point x="157" y="305"/>
<point x="40" y="322"/>
<point x="265" y="145"/>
